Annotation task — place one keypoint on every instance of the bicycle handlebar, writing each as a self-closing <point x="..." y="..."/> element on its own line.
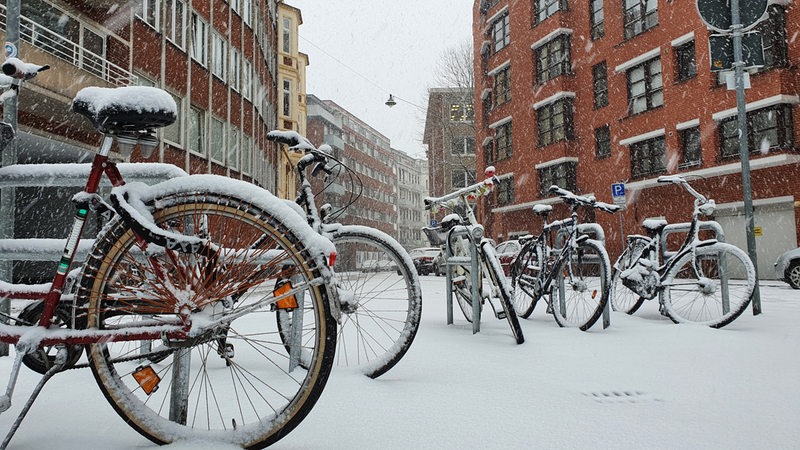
<point x="677" y="179"/>
<point x="20" y="70"/>
<point x="477" y="188"/>
<point x="581" y="200"/>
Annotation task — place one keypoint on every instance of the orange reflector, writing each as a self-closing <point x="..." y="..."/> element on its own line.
<point x="594" y="294"/>
<point x="289" y="302"/>
<point x="147" y="378"/>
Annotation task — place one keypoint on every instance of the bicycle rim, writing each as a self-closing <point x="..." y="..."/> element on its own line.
<point x="237" y="382"/>
<point x="581" y="286"/>
<point x="695" y="286"/>
<point x="623" y="299"/>
<point x="524" y="280"/>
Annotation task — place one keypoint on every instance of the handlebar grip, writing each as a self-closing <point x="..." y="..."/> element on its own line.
<point x="289" y="138"/>
<point x="16" y="68"/>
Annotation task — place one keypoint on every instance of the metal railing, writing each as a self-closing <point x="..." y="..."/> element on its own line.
<point x="69" y="51"/>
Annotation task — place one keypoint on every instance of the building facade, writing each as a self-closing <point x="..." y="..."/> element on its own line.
<point x="216" y="58"/>
<point x="584" y="94"/>
<point x="450" y="137"/>
<point x="412" y="187"/>
<point x="368" y="194"/>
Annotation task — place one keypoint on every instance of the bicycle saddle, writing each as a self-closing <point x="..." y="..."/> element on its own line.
<point x="125" y="109"/>
<point x="654" y="225"/>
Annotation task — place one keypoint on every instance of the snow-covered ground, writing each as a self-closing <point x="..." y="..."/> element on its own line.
<point x="643" y="383"/>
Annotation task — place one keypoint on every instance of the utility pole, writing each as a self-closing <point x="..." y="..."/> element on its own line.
<point x="9" y="157"/>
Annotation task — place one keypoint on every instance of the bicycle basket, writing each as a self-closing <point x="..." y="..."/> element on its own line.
<point x="436" y="236"/>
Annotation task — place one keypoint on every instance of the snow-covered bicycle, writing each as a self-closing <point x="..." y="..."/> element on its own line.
<point x="704" y="282"/>
<point x="381" y="297"/>
<point x="176" y="303"/>
<point x="573" y="279"/>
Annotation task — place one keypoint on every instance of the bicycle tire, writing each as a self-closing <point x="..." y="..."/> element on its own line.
<point x="462" y="289"/>
<point x="497" y="277"/>
<point x="623" y="299"/>
<point x="525" y="281"/>
<point x="699" y="300"/>
<point x="251" y="399"/>
<point x="381" y="321"/>
<point x="578" y="280"/>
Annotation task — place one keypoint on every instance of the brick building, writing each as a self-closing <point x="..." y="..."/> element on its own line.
<point x="587" y="93"/>
<point x="216" y="58"/>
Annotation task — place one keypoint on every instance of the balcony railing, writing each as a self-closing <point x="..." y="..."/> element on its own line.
<point x="71" y="52"/>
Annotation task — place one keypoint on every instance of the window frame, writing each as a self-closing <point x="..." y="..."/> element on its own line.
<point x="602" y="141"/>
<point x="503" y="141"/>
<point x="548" y="129"/>
<point x="547" y="8"/>
<point x="600" y="85"/>
<point x="563" y="175"/>
<point x="691" y="147"/>
<point x="500" y="30"/>
<point x="596" y="25"/>
<point x="501" y="88"/>
<point x="782" y="125"/>
<point x="219" y="56"/>
<point x="196" y="136"/>
<point x="504" y="191"/>
<point x="466" y="176"/>
<point x="647" y="19"/>
<point x="651" y="92"/>
<point x="149" y="12"/>
<point x="199" y="30"/>
<point x="654" y="152"/>
<point x="467" y="144"/>
<point x="685" y="61"/>
<point x="553" y="58"/>
<point x="176" y="32"/>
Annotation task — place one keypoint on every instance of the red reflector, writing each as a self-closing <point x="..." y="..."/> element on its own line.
<point x="331" y="259"/>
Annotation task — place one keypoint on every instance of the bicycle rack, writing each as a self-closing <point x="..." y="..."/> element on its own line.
<point x="452" y="261"/>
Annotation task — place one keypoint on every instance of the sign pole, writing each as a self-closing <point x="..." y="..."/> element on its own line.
<point x="744" y="148"/>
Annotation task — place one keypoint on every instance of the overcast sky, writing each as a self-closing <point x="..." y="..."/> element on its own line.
<point x="362" y="50"/>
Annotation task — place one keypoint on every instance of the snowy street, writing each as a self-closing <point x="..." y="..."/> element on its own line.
<point x="642" y="383"/>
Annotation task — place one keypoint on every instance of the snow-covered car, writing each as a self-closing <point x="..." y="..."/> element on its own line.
<point x="428" y="260"/>
<point x="787" y="268"/>
<point x="506" y="252"/>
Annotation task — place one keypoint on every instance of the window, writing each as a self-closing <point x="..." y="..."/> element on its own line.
<point x="236" y="69"/>
<point x="175" y="22"/>
<point x="247" y="150"/>
<point x="600" y="85"/>
<point x="199" y="40"/>
<point x="463" y="146"/>
<point x="197" y="126"/>
<point x="561" y="175"/>
<point x="639" y="16"/>
<point x="287" y="98"/>
<point x="150" y="13"/>
<point x="685" y="63"/>
<point x="597" y="19"/>
<point x="690" y="147"/>
<point x="174" y="132"/>
<point x="247" y="11"/>
<point x="602" y="141"/>
<point x="552" y="59"/>
<point x="500" y="32"/>
<point x="247" y="79"/>
<point x="554" y="122"/>
<point x="503" y="142"/>
<point x="462" y="178"/>
<point x="773" y="35"/>
<point x="489" y="153"/>
<point x="546" y="8"/>
<point x="502" y="85"/>
<point x="767" y="128"/>
<point x="645" y="87"/>
<point x="217" y="144"/>
<point x="505" y="191"/>
<point x="462" y="112"/>
<point x="648" y="157"/>
<point x="287" y="35"/>
<point x="233" y="149"/>
<point x="219" y="56"/>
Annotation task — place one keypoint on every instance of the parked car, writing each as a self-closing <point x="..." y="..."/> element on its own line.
<point x="378" y="265"/>
<point x="428" y="260"/>
<point x="787" y="268"/>
<point x="506" y="252"/>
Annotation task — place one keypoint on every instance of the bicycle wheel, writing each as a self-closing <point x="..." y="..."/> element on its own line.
<point x="622" y="298"/>
<point x="711" y="287"/>
<point x="525" y="282"/>
<point x="462" y="280"/>
<point x="500" y="286"/>
<point x="581" y="283"/>
<point x="234" y="382"/>
<point x="381" y="310"/>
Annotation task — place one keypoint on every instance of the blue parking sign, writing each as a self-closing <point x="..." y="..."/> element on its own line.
<point x="618" y="193"/>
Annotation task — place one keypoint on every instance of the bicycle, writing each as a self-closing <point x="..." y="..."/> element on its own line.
<point x="381" y="297"/>
<point x="460" y="233"/>
<point x="194" y="264"/>
<point x="704" y="282"/>
<point x="573" y="277"/>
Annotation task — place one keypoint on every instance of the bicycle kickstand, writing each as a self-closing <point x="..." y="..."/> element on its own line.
<point x="5" y="400"/>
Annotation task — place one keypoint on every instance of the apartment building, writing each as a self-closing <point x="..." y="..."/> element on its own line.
<point x="412" y="187"/>
<point x="587" y="93"/>
<point x="218" y="59"/>
<point x="450" y="137"/>
<point x="369" y="154"/>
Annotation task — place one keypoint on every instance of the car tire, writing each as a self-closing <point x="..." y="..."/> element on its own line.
<point x="792" y="275"/>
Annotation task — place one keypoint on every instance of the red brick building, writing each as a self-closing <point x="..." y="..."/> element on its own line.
<point x="587" y="93"/>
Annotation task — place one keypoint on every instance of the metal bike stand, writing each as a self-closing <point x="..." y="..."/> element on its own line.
<point x="461" y="232"/>
<point x="719" y="235"/>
